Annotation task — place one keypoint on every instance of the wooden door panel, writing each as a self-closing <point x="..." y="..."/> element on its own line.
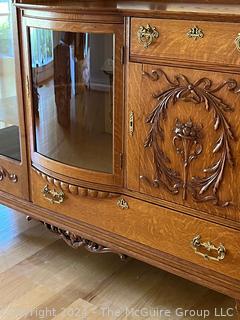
<point x="188" y="138"/>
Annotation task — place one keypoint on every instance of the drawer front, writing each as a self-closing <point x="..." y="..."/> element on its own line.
<point x="151" y="225"/>
<point x="195" y="41"/>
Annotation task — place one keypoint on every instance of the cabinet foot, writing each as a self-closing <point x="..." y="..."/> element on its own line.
<point x="76" y="241"/>
<point x="238" y="309"/>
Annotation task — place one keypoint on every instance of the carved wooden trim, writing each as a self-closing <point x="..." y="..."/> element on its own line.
<point x="5" y="174"/>
<point x="202" y="93"/>
<point x="187" y="143"/>
<point x="75" y="190"/>
<point x="76" y="241"/>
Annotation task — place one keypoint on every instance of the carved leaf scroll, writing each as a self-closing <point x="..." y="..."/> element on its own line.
<point x="76" y="241"/>
<point x="10" y="176"/>
<point x="202" y="93"/>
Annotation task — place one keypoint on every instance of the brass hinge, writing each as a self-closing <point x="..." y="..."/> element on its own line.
<point x="121" y="160"/>
<point x="122" y="55"/>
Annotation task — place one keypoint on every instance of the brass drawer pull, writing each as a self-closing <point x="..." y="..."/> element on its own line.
<point x="53" y="196"/>
<point x="237" y="42"/>
<point x="147" y="35"/>
<point x="122" y="203"/>
<point x="195" y="33"/>
<point x="197" y="244"/>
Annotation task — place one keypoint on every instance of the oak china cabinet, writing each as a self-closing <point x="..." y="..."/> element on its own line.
<point x="120" y="129"/>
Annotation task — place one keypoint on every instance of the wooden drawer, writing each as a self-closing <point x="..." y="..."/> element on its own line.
<point x="215" y="44"/>
<point x="159" y="228"/>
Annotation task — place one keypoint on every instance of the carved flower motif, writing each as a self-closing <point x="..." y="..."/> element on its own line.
<point x="203" y="93"/>
<point x="187" y="130"/>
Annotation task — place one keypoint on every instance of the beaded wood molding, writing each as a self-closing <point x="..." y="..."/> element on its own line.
<point x="76" y="190"/>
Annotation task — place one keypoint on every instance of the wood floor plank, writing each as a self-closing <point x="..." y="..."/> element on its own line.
<point x="83" y="310"/>
<point x="13" y="222"/>
<point x="23" y="246"/>
<point x="38" y="274"/>
<point x="81" y="283"/>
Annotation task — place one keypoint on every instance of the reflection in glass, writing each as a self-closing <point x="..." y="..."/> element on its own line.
<point x="73" y="97"/>
<point x="9" y="124"/>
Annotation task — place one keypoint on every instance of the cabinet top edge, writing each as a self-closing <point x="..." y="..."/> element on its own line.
<point x="133" y="8"/>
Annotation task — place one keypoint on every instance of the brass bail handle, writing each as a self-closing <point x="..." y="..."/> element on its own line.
<point x="147" y="35"/>
<point x="209" y="247"/>
<point x="53" y="196"/>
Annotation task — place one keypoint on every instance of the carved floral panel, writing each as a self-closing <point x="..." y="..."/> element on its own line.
<point x="190" y="136"/>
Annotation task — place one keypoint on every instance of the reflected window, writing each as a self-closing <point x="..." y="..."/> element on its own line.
<point x="73" y="97"/>
<point x="9" y="123"/>
<point x="42" y="47"/>
<point x="6" y="41"/>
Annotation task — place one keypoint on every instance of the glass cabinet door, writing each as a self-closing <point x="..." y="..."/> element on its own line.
<point x="73" y="97"/>
<point x="9" y="121"/>
<point x="13" y="154"/>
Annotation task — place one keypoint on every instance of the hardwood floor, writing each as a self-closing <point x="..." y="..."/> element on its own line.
<point x="42" y="278"/>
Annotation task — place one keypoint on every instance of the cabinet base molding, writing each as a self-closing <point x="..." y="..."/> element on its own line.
<point x="75" y="241"/>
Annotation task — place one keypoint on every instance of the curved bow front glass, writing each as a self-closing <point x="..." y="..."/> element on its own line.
<point x="72" y="84"/>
